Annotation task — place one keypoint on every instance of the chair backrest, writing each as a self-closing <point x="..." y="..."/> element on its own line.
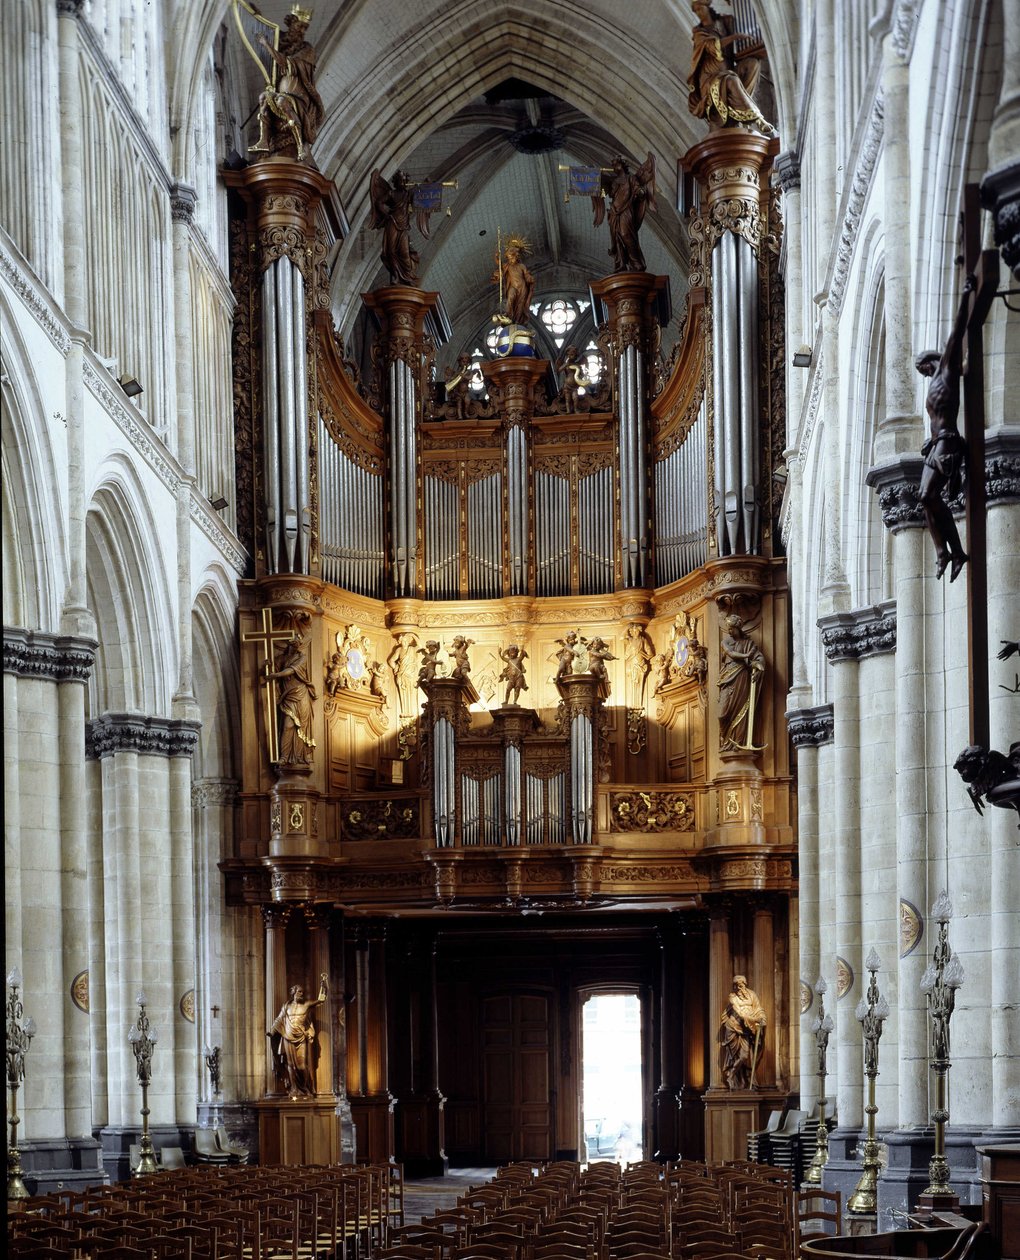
<point x="173" y="1157"/>
<point x="793" y="1121"/>
<point x="774" y="1121"/>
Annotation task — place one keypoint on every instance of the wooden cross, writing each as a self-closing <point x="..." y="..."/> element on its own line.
<point x="267" y="636"/>
<point x="215" y="1011"/>
<point x="983" y="265"/>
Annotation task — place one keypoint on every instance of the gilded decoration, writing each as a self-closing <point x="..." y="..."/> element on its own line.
<point x="370" y="819"/>
<point x="807" y="997"/>
<point x="844" y="978"/>
<point x="187" y="1005"/>
<point x="911" y="927"/>
<point x="654" y="811"/>
<point x="686" y="658"/>
<point x="80" y="991"/>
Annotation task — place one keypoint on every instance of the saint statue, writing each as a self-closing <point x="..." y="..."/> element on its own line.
<point x="741" y="1032"/>
<point x="742" y="668"/>
<point x="517" y="284"/>
<point x="294" y="696"/>
<point x="629" y="197"/>
<point x="292" y="1040"/>
<point x="722" y="87"/>
<point x="944" y="451"/>
<point x="291" y="112"/>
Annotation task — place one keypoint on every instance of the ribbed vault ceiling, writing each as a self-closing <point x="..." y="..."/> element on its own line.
<point x="423" y="88"/>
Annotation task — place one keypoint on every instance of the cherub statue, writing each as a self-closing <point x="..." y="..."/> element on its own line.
<point x="566" y="656"/>
<point x="392" y="208"/>
<point x="376" y="679"/>
<point x="458" y="389"/>
<point x="459" y="653"/>
<point x="429" y="662"/>
<point x="598" y="654"/>
<point x="291" y="113"/>
<point x="574" y="378"/>
<point x="629" y="197"/>
<point x="513" y="672"/>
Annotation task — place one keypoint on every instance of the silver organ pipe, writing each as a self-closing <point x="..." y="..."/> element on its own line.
<point x="681" y="532"/>
<point x="350" y="520"/>
<point x="582" y="778"/>
<point x="302" y="490"/>
<point x="288" y="412"/>
<point x="442" y="540"/>
<point x="747" y="283"/>
<point x="640" y="470"/>
<point x="444" y="783"/>
<point x="557" y="807"/>
<point x="470" y="812"/>
<point x="552" y="534"/>
<point x="403" y="465"/>
<point x="595" y="530"/>
<point x="517" y="508"/>
<point x="485" y="538"/>
<point x="271" y="421"/>
<point x="490" y="830"/>
<point x="512" y="794"/>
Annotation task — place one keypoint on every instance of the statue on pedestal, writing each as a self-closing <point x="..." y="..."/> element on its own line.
<point x="741" y="1032"/>
<point x="292" y="1040"/>
<point x="629" y="195"/>
<point x="513" y="672"/>
<point x="392" y="208"/>
<point x="742" y="668"/>
<point x="294" y="696"/>
<point x="291" y="110"/>
<point x="459" y="656"/>
<point x="722" y="86"/>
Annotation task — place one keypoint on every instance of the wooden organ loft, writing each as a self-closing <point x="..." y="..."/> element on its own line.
<point x="464" y="870"/>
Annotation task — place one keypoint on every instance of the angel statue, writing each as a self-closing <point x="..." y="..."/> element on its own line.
<point x="392" y="208"/>
<point x="629" y="197"/>
<point x="513" y="659"/>
<point x="290" y="110"/>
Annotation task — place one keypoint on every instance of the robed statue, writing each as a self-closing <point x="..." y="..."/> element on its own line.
<point x="721" y="84"/>
<point x="292" y="1040"/>
<point x="741" y="1034"/>
<point x="628" y="196"/>
<point x="290" y="107"/>
<point x="393" y="208"/>
<point x="741" y="669"/>
<point x="294" y="695"/>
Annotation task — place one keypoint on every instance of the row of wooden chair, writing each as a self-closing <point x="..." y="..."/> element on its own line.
<point x="219" y="1213"/>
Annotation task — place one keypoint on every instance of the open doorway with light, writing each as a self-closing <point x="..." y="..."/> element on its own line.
<point x="612" y="1094"/>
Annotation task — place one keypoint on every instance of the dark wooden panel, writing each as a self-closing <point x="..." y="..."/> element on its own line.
<point x="516" y="1038"/>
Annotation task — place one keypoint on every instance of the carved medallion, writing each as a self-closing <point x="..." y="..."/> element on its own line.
<point x="807" y="997"/>
<point x="844" y="977"/>
<point x="296" y="816"/>
<point x="732" y="806"/>
<point x="911" y="927"/>
<point x="651" y="811"/>
<point x="80" y="991"/>
<point x="349" y="667"/>
<point x="187" y="1005"/>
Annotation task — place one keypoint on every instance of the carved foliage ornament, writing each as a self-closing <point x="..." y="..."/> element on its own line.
<point x="651" y="811"/>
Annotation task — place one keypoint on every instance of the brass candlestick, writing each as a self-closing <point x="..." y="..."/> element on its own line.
<point x="19" y="1038"/>
<point x="872" y="1011"/>
<point x="822" y="1026"/>
<point x="942" y="977"/>
<point x="143" y="1038"/>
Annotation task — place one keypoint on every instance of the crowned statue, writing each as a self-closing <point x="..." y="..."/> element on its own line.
<point x="290" y="110"/>
<point x="516" y="291"/>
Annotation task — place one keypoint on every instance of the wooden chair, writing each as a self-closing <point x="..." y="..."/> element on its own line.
<point x="815" y="1210"/>
<point x="407" y="1252"/>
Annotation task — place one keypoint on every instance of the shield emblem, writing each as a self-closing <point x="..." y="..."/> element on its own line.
<point x="356" y="663"/>
<point x="681" y="651"/>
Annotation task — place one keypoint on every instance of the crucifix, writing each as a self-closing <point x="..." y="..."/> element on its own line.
<point x="267" y="636"/>
<point x="946" y="450"/>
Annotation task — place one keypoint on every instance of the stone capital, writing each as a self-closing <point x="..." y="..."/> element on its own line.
<point x="788" y="170"/>
<point x="55" y="657"/>
<point x="851" y="636"/>
<point x="810" y="728"/>
<point x="111" y="733"/>
<point x="183" y="200"/>
<point x="1000" y="193"/>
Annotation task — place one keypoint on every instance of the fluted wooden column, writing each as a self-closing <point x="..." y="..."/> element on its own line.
<point x="275" y="919"/>
<point x="672" y="1012"/>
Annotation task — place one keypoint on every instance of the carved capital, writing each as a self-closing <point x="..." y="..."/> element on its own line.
<point x="1000" y="193"/>
<point x="183" y="200"/>
<point x="111" y="733"/>
<point x="864" y="632"/>
<point x="897" y="485"/>
<point x="59" y="657"/>
<point x="788" y="170"/>
<point x="810" y="728"/>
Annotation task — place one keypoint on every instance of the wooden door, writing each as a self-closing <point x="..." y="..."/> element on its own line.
<point x="517" y="1105"/>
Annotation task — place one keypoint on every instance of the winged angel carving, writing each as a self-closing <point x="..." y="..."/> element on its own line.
<point x="629" y="196"/>
<point x="393" y="206"/>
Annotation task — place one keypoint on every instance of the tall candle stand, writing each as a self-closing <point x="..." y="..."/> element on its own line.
<point x="214" y="1063"/>
<point x="821" y="1026"/>
<point x="942" y="977"/>
<point x="143" y="1038"/>
<point x="20" y="1032"/>
<point x="872" y="1011"/>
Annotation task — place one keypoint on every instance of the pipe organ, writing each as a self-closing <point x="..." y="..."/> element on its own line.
<point x="529" y="658"/>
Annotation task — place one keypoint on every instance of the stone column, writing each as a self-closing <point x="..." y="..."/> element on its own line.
<point x="400" y="350"/>
<point x="1000" y="188"/>
<point x="632" y="300"/>
<point x="697" y="1021"/>
<point x="373" y="1104"/>
<point x="720" y="975"/>
<point x="317" y="921"/>
<point x="763" y="981"/>
<point x="788" y="175"/>
<point x="187" y="1062"/>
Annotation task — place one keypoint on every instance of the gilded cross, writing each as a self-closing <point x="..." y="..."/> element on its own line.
<point x="267" y="636"/>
